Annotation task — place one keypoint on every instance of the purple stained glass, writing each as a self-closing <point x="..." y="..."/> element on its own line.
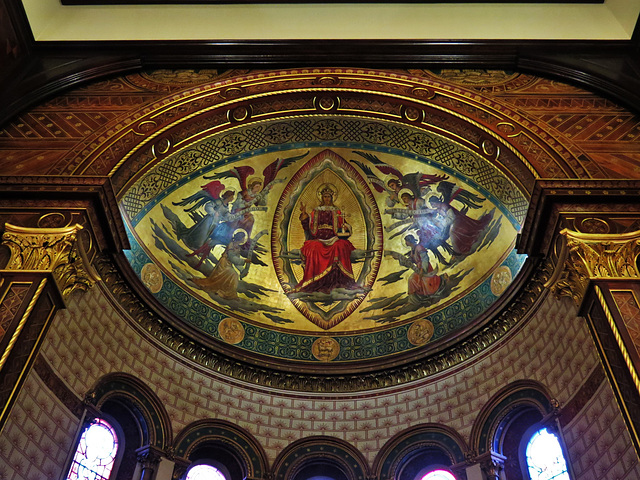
<point x="96" y="453"/>
<point x="438" y="475"/>
<point x="204" y="472"/>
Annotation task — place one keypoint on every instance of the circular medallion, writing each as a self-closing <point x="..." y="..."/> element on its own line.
<point x="325" y="349"/>
<point x="420" y="332"/>
<point x="231" y="331"/>
<point x="151" y="276"/>
<point x="500" y="280"/>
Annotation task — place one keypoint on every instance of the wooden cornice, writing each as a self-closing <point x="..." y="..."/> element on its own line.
<point x="609" y="68"/>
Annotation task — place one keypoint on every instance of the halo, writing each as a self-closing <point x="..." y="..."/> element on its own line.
<point x="390" y="177"/>
<point x="239" y="230"/>
<point x="254" y="179"/>
<point x="232" y="190"/>
<point x="325" y="186"/>
<point x="405" y="190"/>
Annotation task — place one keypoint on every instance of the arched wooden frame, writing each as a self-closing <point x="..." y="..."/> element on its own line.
<point x="143" y="403"/>
<point x="234" y="440"/>
<point x="407" y="444"/>
<point x="317" y="450"/>
<point x="486" y="434"/>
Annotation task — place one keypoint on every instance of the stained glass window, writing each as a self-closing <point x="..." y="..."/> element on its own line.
<point x="96" y="452"/>
<point x="438" y="475"/>
<point x="545" y="460"/>
<point x="204" y="472"/>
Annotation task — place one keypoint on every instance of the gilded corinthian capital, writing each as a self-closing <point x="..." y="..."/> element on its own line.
<point x="586" y="256"/>
<point x="55" y="250"/>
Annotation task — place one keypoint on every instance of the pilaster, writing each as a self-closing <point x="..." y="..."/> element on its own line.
<point x="44" y="268"/>
<point x="587" y="234"/>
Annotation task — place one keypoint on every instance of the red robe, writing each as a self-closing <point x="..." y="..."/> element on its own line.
<point x="420" y="283"/>
<point x="327" y="258"/>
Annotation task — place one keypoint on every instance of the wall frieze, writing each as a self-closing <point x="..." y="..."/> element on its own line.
<point x="206" y="355"/>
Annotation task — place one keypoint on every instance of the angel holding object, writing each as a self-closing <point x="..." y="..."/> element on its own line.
<point x="254" y="190"/>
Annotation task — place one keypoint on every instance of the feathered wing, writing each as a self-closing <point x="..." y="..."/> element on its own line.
<point x="197" y="199"/>
<point x="450" y="192"/>
<point x="240" y="173"/>
<point x="271" y="171"/>
<point x="210" y="191"/>
<point x="384" y="168"/>
<point x="377" y="183"/>
<point x="417" y="181"/>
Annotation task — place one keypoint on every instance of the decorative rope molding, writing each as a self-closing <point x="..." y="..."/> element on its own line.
<point x="22" y="323"/>
<point x="618" y="337"/>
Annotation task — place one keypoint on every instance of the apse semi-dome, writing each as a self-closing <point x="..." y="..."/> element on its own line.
<point x="323" y="224"/>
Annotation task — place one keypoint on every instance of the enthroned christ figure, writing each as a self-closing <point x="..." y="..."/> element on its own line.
<point x="326" y="253"/>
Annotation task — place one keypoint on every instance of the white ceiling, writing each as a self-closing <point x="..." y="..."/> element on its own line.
<point x="613" y="20"/>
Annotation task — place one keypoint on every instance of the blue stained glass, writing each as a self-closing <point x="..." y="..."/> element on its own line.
<point x="96" y="453"/>
<point x="545" y="460"/>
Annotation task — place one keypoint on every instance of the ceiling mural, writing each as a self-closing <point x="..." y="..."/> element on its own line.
<point x="317" y="250"/>
<point x="410" y="268"/>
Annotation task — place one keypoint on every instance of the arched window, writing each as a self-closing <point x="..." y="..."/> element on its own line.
<point x="323" y="469"/>
<point x="204" y="471"/>
<point x="544" y="457"/>
<point x="438" y="475"/>
<point x="96" y="453"/>
<point x="430" y="462"/>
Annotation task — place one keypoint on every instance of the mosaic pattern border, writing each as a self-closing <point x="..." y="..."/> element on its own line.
<point x="245" y="142"/>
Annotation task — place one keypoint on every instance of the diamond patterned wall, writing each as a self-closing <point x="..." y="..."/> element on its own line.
<point x="38" y="435"/>
<point x="91" y="339"/>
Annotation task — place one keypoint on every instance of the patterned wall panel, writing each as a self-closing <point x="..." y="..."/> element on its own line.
<point x="38" y="435"/>
<point x="91" y="339"/>
<point x="59" y="135"/>
<point x="598" y="442"/>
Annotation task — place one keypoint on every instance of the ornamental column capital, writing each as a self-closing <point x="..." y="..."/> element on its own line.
<point x="55" y="250"/>
<point x="149" y="456"/>
<point x="492" y="464"/>
<point x="582" y="257"/>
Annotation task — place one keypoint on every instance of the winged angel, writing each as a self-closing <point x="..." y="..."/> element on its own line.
<point x="219" y="246"/>
<point x="436" y="229"/>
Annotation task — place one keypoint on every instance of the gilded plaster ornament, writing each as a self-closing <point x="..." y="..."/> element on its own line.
<point x="585" y="256"/>
<point x="56" y="250"/>
<point x="500" y="280"/>
<point x="151" y="276"/>
<point x="325" y="349"/>
<point x="231" y="330"/>
<point x="420" y="332"/>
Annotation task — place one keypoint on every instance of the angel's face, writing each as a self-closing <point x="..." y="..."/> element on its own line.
<point x="256" y="187"/>
<point x="406" y="198"/>
<point x="227" y="197"/>
<point x="394" y="185"/>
